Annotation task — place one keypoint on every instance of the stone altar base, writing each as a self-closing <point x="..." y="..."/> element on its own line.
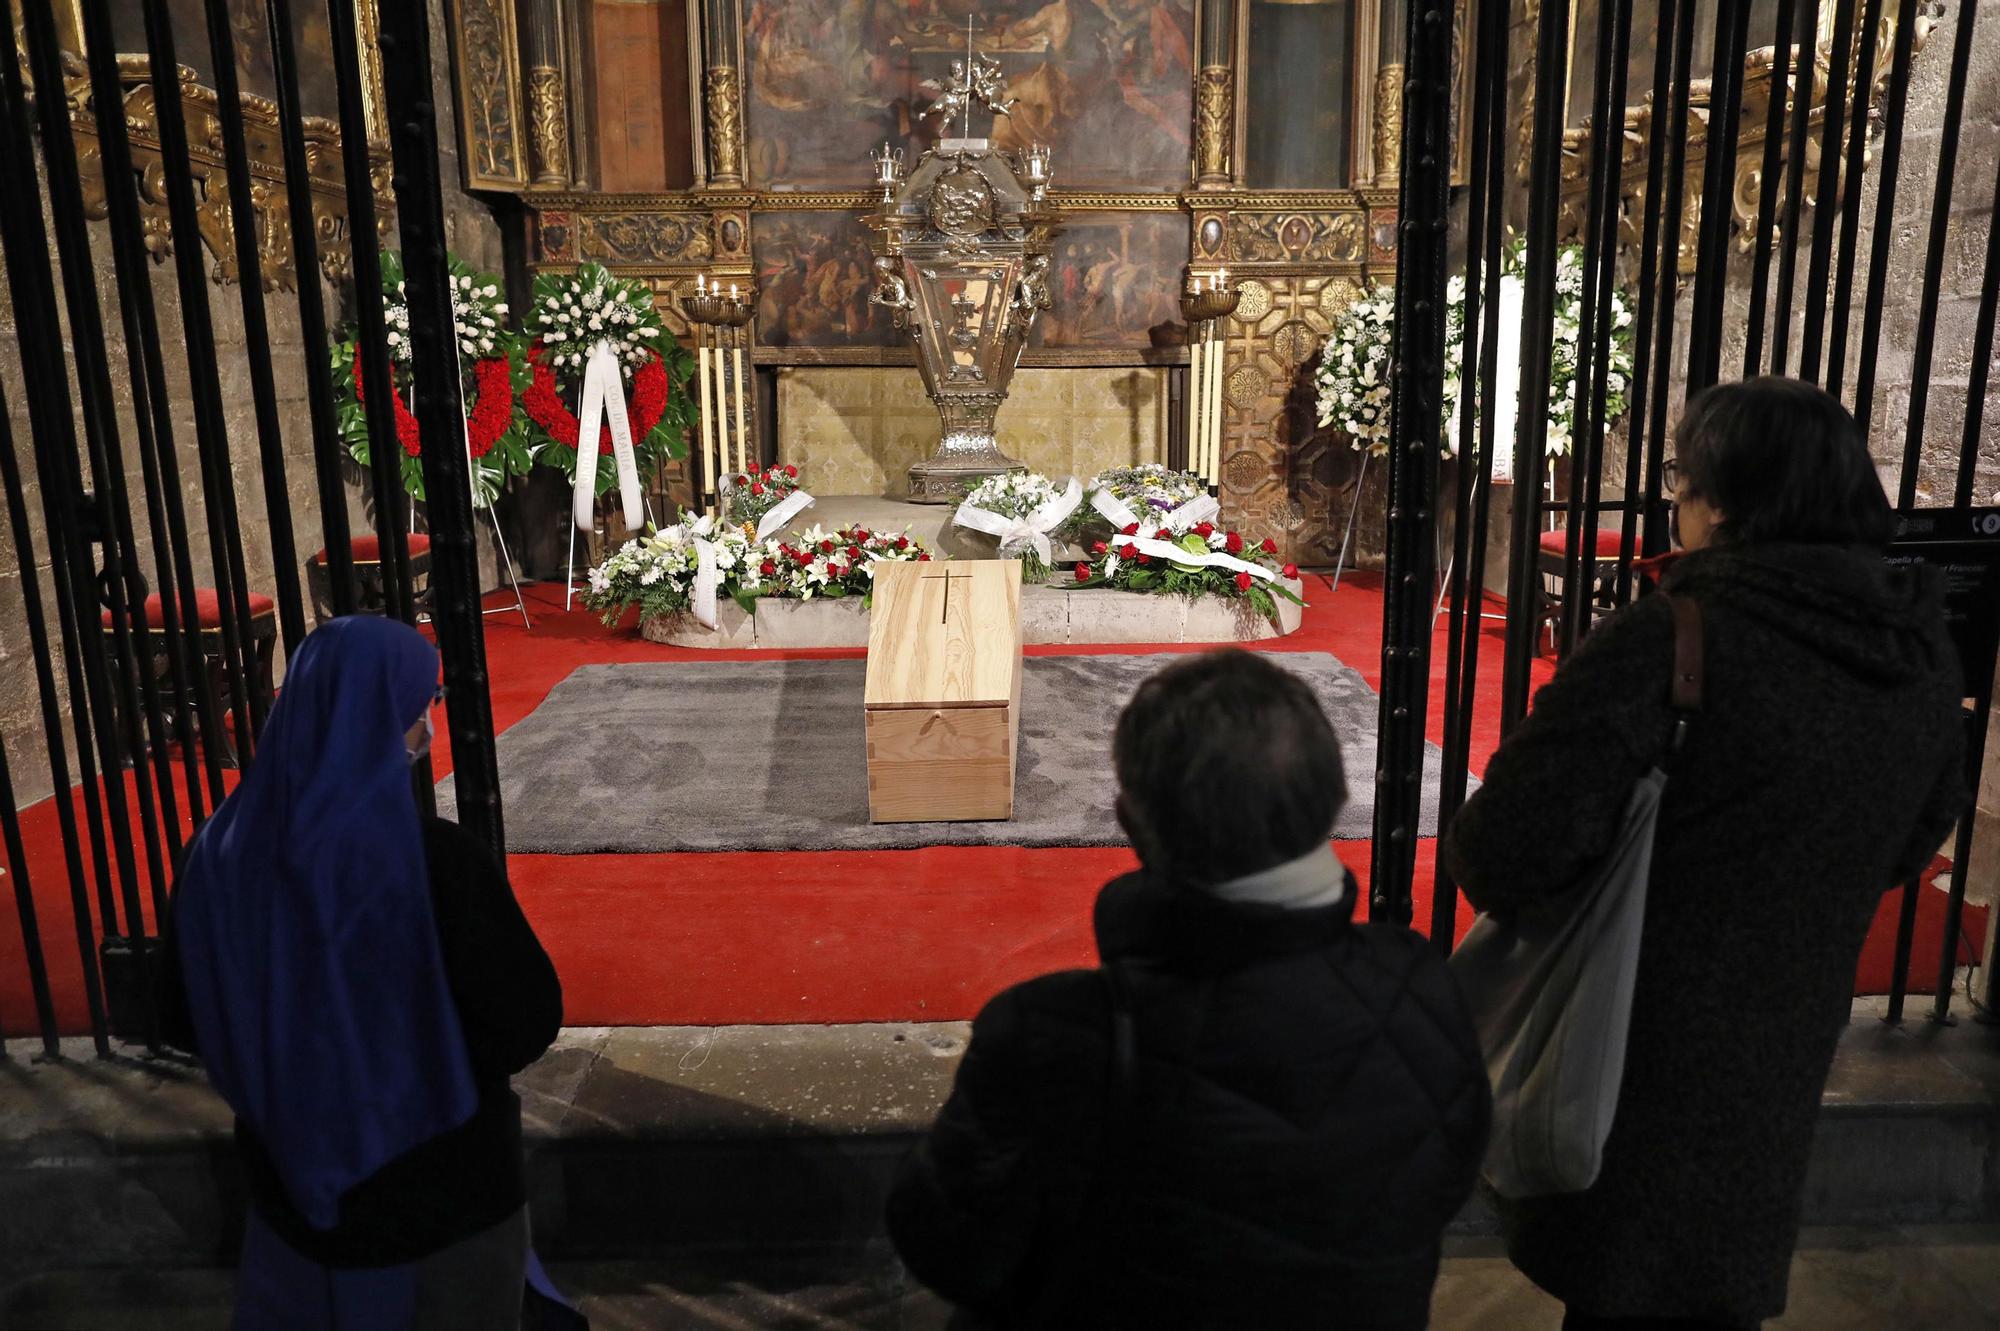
<point x="1051" y="614"/>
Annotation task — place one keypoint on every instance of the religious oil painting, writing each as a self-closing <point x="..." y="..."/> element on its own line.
<point x="249" y="30"/>
<point x="1112" y="281"/>
<point x="1107" y="83"/>
<point x="813" y="282"/>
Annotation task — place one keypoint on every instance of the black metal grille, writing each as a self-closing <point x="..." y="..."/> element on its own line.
<point x="162" y="694"/>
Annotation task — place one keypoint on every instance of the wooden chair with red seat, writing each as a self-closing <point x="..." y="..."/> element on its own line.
<point x="1601" y="568"/>
<point x="370" y="598"/>
<point x="262" y="643"/>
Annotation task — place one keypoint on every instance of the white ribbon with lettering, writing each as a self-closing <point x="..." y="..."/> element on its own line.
<point x="1031" y="532"/>
<point x="1146" y="545"/>
<point x="604" y="402"/>
<point x="795" y="503"/>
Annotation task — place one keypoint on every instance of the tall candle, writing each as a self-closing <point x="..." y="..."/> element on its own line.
<point x="1194" y="415"/>
<point x="1214" y="378"/>
<point x="742" y="424"/>
<point x="707" y="424"/>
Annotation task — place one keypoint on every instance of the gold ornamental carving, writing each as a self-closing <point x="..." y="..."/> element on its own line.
<point x="272" y="223"/>
<point x="489" y="112"/>
<point x="725" y="126"/>
<point x="1214" y="103"/>
<point x="548" y="124"/>
<point x="1254" y="301"/>
<point x="1329" y="237"/>
<point x="1388" y="125"/>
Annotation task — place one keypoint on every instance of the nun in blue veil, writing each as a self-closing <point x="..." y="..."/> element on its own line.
<point x="360" y="985"/>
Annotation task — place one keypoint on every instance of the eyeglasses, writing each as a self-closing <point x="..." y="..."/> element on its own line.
<point x="1670" y="477"/>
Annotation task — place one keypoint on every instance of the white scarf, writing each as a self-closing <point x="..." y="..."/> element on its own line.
<point x="1316" y="878"/>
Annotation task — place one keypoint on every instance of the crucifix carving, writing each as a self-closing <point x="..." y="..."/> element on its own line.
<point x="947" y="575"/>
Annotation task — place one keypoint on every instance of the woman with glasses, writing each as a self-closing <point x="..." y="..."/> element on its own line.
<point x="1825" y="768"/>
<point x="360" y="985"/>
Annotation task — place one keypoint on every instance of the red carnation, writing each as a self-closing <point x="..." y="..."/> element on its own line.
<point x="1291" y="570"/>
<point x="792" y="472"/>
<point x="853" y="555"/>
<point x="902" y="542"/>
<point x="924" y="558"/>
<point x="1242" y="582"/>
<point x="1145" y="559"/>
<point x="1163" y="534"/>
<point x="826" y="547"/>
<point x="1234" y="544"/>
<point x="835" y="571"/>
<point x="1083" y="572"/>
<point x="861" y="535"/>
<point x="768" y="569"/>
<point x="1205" y="530"/>
<point x="1270" y="547"/>
<point x="757" y="489"/>
<point x="741" y="479"/>
<point x="1097" y="547"/>
<point x="1129" y="529"/>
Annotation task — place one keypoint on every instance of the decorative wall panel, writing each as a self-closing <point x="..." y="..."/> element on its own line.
<point x="813" y="282"/>
<point x="492" y="123"/>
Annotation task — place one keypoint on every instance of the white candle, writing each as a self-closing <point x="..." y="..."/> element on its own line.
<point x="742" y="424"/>
<point x="708" y="463"/>
<point x="732" y="291"/>
<point x="701" y="284"/>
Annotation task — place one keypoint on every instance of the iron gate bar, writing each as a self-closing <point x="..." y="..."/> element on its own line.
<point x="1961" y="861"/>
<point x="70" y="567"/>
<point x="1414" y="433"/>
<point x="256" y="327"/>
<point x="45" y="688"/>
<point x="1600" y="296"/>
<point x="1826" y="193"/>
<point x="1593" y="343"/>
<point x="1481" y="322"/>
<point x="1639" y="483"/>
<point x="1982" y="363"/>
<point x="1850" y="203"/>
<point x="1899" y="966"/>
<point x="232" y="603"/>
<point x="117" y="699"/>
<point x="1725" y="121"/>
<point x="372" y="347"/>
<point x="1654" y="540"/>
<point x="153" y="422"/>
<point x="1920" y="372"/>
<point x="456" y="615"/>
<point x="1806" y="42"/>
<point x="1767" y="182"/>
<point x="24" y="906"/>
<point x="334" y="527"/>
<point x="1885" y="211"/>
<point x="1538" y="332"/>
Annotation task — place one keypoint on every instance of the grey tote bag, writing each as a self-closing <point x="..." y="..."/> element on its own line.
<point x="1553" y="999"/>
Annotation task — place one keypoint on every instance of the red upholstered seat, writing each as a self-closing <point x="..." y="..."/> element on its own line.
<point x="368" y="549"/>
<point x="1557" y="542"/>
<point x="206" y="608"/>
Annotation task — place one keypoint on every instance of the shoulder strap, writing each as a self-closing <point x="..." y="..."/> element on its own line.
<point x="1685" y="690"/>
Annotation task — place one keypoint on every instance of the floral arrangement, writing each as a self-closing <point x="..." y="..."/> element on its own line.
<point x="1206" y="560"/>
<point x="1149" y="486"/>
<point x="488" y="359"/>
<point x="656" y="572"/>
<point x="750" y="497"/>
<point x="828" y="564"/>
<point x="1354" y="365"/>
<point x="1353" y="371"/>
<point x="1018" y="495"/>
<point x="571" y="314"/>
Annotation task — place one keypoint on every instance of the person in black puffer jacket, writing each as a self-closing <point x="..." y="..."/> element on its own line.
<point x="1305" y="1107"/>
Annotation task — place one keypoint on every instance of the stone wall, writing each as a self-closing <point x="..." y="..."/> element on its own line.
<point x="473" y="233"/>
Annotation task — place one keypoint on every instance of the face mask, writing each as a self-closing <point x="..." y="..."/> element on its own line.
<point x="424" y="746"/>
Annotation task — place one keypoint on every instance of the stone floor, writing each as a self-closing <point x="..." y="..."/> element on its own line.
<point x="1922" y="1278"/>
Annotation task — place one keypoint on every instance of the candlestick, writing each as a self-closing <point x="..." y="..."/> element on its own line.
<point x="1214" y="377"/>
<point x="1194" y="412"/>
<point x="710" y="479"/>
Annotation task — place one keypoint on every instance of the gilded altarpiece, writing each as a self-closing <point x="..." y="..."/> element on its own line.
<point x="1146" y="105"/>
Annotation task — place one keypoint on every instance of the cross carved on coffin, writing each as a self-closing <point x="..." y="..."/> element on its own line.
<point x="947" y="575"/>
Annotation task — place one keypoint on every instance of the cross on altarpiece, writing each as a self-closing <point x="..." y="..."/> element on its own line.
<point x="947" y="575"/>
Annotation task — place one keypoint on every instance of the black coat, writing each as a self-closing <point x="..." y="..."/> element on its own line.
<point x="469" y="1179"/>
<point x="1310" y="1113"/>
<point x="1825" y="768"/>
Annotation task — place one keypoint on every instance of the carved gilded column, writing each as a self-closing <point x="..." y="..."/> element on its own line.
<point x="1215" y="95"/>
<point x="548" y="91"/>
<point x="722" y="92"/>
<point x="1388" y="93"/>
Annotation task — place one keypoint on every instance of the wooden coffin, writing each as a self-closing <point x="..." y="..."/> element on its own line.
<point x="943" y="698"/>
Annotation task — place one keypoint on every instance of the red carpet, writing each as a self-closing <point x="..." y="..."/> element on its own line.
<point x="821" y="936"/>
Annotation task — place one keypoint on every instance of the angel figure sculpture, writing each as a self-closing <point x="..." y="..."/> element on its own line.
<point x="1031" y="292"/>
<point x="977" y="83"/>
<point x="954" y="96"/>
<point x="891" y="291"/>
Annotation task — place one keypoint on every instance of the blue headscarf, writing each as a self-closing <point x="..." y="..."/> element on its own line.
<point x="306" y="934"/>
